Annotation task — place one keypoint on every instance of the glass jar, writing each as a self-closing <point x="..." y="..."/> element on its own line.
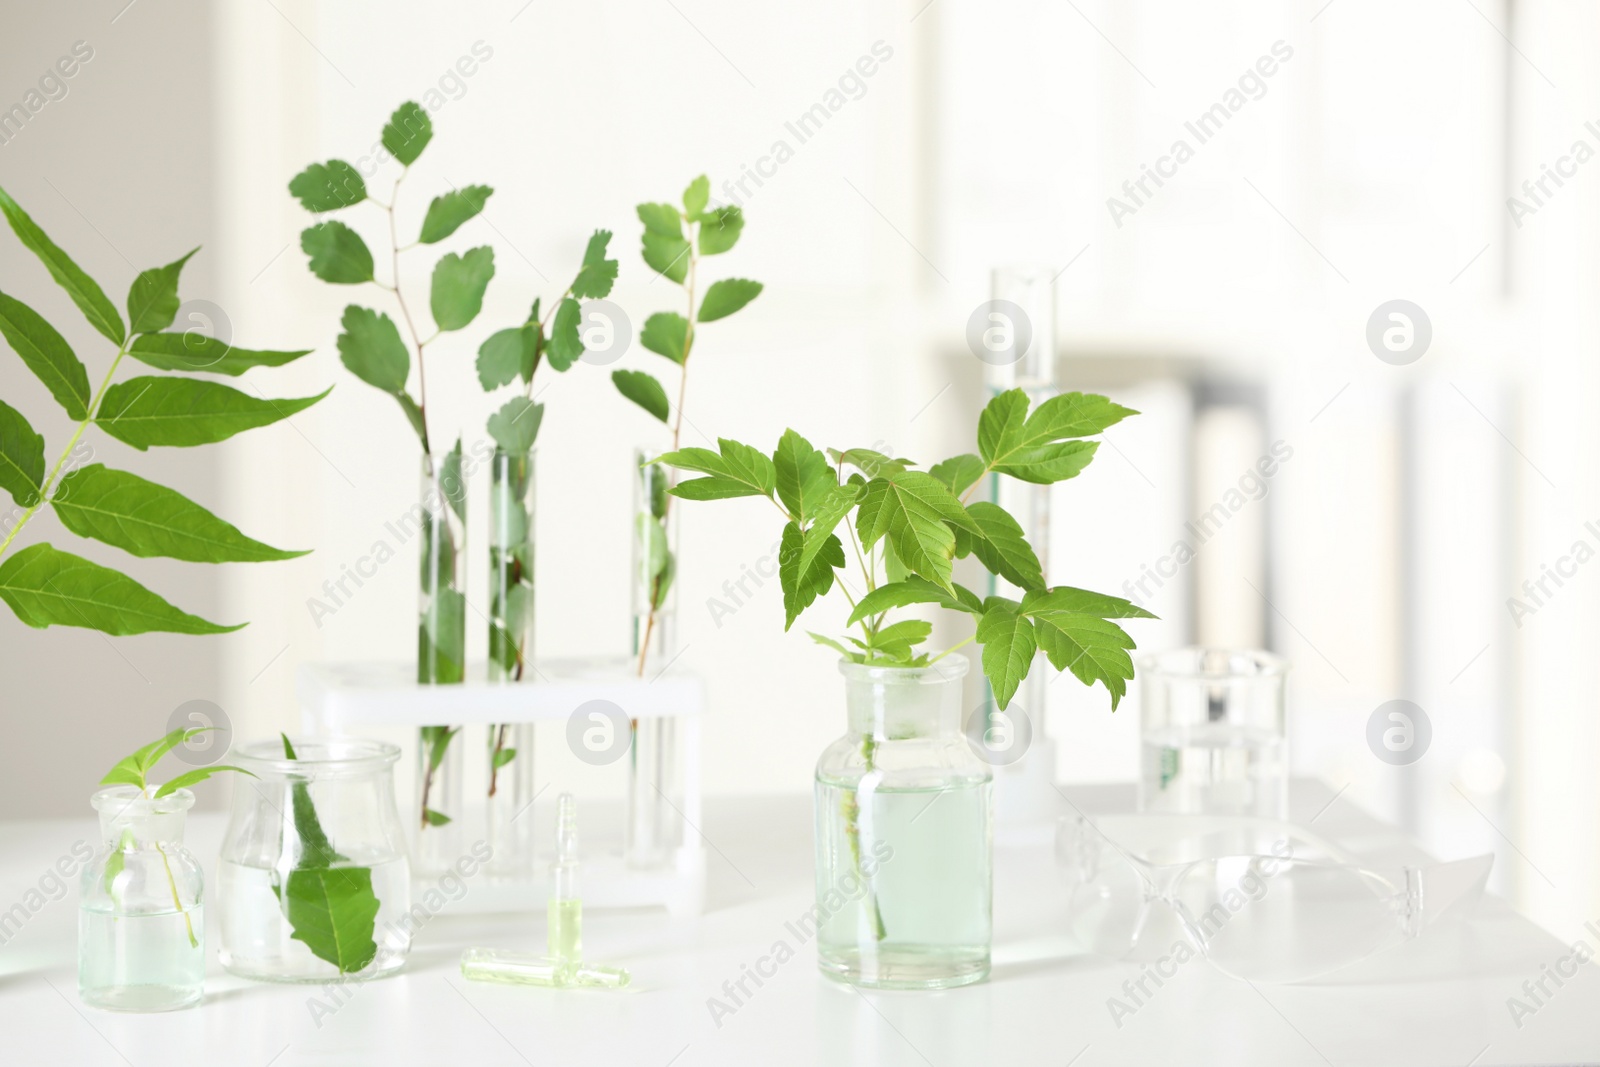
<point x="141" y="927"/>
<point x="1212" y="734"/>
<point x="314" y="884"/>
<point x="904" y="835"/>
<point x="441" y="656"/>
<point x="509" y="754"/>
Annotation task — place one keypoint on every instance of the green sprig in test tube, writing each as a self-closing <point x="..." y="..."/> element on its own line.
<point x="563" y="965"/>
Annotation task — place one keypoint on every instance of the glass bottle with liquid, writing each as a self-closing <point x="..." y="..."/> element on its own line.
<point x="141" y="928"/>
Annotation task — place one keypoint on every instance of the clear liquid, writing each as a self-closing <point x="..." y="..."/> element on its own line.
<point x="141" y="962"/>
<point x="923" y="917"/>
<point x="1215" y="769"/>
<point x="564" y="937"/>
<point x="256" y="941"/>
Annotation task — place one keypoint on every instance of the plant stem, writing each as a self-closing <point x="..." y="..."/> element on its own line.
<point x="172" y="883"/>
<point x="677" y="433"/>
<point x="49" y="483"/>
<point x="405" y="312"/>
<point x="850" y="807"/>
<point x="494" y="757"/>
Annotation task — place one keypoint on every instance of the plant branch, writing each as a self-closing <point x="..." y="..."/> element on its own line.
<point x="405" y="312"/>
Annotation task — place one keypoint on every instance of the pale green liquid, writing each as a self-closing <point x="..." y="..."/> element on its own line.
<point x="565" y="934"/>
<point x="932" y="886"/>
<point x="258" y="942"/>
<point x="140" y="962"/>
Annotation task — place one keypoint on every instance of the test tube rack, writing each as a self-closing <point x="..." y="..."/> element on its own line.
<point x="349" y="698"/>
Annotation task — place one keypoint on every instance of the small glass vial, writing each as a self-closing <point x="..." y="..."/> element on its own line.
<point x="564" y="914"/>
<point x="141" y="930"/>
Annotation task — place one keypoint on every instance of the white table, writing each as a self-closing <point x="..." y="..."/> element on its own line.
<point x="1439" y="1000"/>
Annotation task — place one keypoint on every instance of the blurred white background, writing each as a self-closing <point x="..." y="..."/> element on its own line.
<point x="1230" y="303"/>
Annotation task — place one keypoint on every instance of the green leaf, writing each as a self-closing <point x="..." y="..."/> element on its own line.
<point x="196" y="776"/>
<point x="661" y="219"/>
<point x="1093" y="649"/>
<point x="804" y="480"/>
<point x="667" y="256"/>
<point x="153" y="299"/>
<point x="502" y="357"/>
<point x="437" y="818"/>
<point x="407" y="133"/>
<point x="896" y="642"/>
<point x="146" y="519"/>
<point x="338" y="254"/>
<point x="196" y="352"/>
<point x="727" y="296"/>
<point x="458" y="286"/>
<point x="47" y="587"/>
<point x="566" y="347"/>
<point x="515" y="426"/>
<point x="643" y="390"/>
<point x="665" y="334"/>
<point x="713" y="489"/>
<point x="1000" y="545"/>
<point x="503" y="757"/>
<point x="738" y="470"/>
<point x="134" y="769"/>
<point x="182" y="412"/>
<point x="328" y="186"/>
<point x="802" y="587"/>
<point x="442" y="638"/>
<point x="872" y="464"/>
<point x="370" y="348"/>
<point x="47" y="354"/>
<point x="853" y="657"/>
<point x="960" y="473"/>
<point x="696" y="196"/>
<point x="413" y="416"/>
<point x="1008" y="647"/>
<point x="437" y="739"/>
<point x="1083" y="602"/>
<point x="453" y="481"/>
<point x="598" y="273"/>
<point x="21" y="458"/>
<point x="334" y="912"/>
<point x="91" y="300"/>
<point x="1033" y="448"/>
<point x="315" y="848"/>
<point x="448" y="213"/>
<point x="720" y="230"/>
<point x="912" y="590"/>
<point x="913" y="509"/>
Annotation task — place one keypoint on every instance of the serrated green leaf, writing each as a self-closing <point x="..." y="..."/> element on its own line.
<point x="199" y="353"/>
<point x="872" y="464"/>
<point x="665" y="334"/>
<point x="802" y="587"/>
<point x="370" y="348"/>
<point x="696" y="195"/>
<point x="565" y="347"/>
<point x="502" y="357"/>
<point x="183" y="412"/>
<point x="1083" y="602"/>
<point x="912" y="590"/>
<point x="407" y="133"/>
<point x="1033" y="448"/>
<point x="1000" y="424"/>
<point x="643" y="390"/>
<point x="727" y="296"/>
<point x="90" y="298"/>
<point x="47" y="587"/>
<point x="713" y="488"/>
<point x="1000" y="545"/>
<point x="21" y="458"/>
<point x="913" y="509"/>
<point x="598" y="273"/>
<point x="1093" y="649"/>
<point x="960" y="473"/>
<point x="328" y="186"/>
<point x="720" y="230"/>
<point x="459" y="283"/>
<point x="47" y="354"/>
<point x="825" y="517"/>
<point x="146" y="519"/>
<point x="736" y="463"/>
<point x="667" y="256"/>
<point x="1008" y="647"/>
<point x="895" y="643"/>
<point x="661" y="219"/>
<point x="1048" y="464"/>
<point x="153" y="299"/>
<point x="803" y="478"/>
<point x="515" y="426"/>
<point x="853" y="657"/>
<point x="448" y="213"/>
<point x="338" y="254"/>
<point x="1072" y="415"/>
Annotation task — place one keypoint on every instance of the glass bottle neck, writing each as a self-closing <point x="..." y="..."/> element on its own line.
<point x="901" y="706"/>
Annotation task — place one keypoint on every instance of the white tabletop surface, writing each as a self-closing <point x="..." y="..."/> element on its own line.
<point x="1439" y="1000"/>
